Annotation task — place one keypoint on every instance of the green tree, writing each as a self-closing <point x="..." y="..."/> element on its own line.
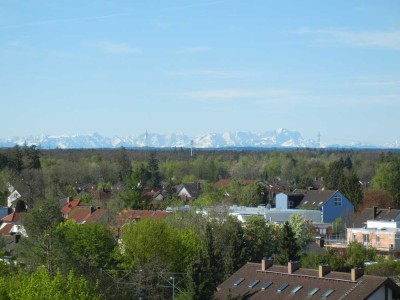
<point x="125" y="166"/>
<point x="154" y="172"/>
<point x="259" y="237"/>
<point x="302" y="230"/>
<point x="387" y="178"/>
<point x="42" y="285"/>
<point x="42" y="246"/>
<point x="133" y="197"/>
<point x="204" y="273"/>
<point x="33" y="157"/>
<point x="89" y="247"/>
<point x="15" y="159"/>
<point x="288" y="249"/>
<point x="357" y="254"/>
<point x="352" y="190"/>
<point x="335" y="176"/>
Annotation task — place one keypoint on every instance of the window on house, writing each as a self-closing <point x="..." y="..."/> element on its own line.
<point x="354" y="237"/>
<point x="378" y="239"/>
<point x="337" y="200"/>
<point x="366" y="239"/>
<point x="290" y="204"/>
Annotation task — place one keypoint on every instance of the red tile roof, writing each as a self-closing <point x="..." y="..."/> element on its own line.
<point x="79" y="214"/>
<point x="70" y="206"/>
<point x="128" y="215"/>
<point x="226" y="182"/>
<point x="100" y="215"/>
<point x="5" y="230"/>
<point x="13" y="217"/>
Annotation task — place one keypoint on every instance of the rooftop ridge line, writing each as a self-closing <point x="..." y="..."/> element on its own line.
<point x="350" y="290"/>
<point x="308" y="276"/>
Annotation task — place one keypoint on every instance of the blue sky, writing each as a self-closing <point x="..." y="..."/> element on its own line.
<point x="124" y="67"/>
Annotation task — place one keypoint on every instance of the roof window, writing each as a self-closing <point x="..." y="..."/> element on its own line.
<point x="266" y="285"/>
<point x="296" y="289"/>
<point x="327" y="293"/>
<point x="313" y="292"/>
<point x="238" y="282"/>
<point x="282" y="287"/>
<point x="253" y="283"/>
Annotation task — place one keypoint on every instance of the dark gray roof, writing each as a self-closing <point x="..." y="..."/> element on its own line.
<point x="308" y="279"/>
<point x="383" y="214"/>
<point x="314" y="199"/>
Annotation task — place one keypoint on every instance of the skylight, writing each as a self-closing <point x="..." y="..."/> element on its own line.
<point x="305" y="202"/>
<point x="282" y="287"/>
<point x="266" y="285"/>
<point x="239" y="281"/>
<point x="296" y="289"/>
<point x="327" y="293"/>
<point x="313" y="292"/>
<point x="320" y="203"/>
<point x="253" y="283"/>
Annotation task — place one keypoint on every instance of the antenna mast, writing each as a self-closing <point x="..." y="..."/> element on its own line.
<point x="319" y="139"/>
<point x="191" y="148"/>
<point x="147" y="140"/>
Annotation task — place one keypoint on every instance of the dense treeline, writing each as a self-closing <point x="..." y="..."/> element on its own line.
<point x="55" y="173"/>
<point x="196" y="252"/>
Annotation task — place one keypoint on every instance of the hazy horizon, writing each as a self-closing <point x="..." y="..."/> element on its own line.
<point x="121" y="68"/>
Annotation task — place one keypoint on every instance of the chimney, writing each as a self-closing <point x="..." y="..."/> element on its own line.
<point x="293" y="266"/>
<point x="69" y="199"/>
<point x="323" y="270"/>
<point x="356" y="273"/>
<point x="375" y="211"/>
<point x="266" y="263"/>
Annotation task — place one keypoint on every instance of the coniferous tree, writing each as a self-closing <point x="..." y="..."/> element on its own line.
<point x="33" y="157"/>
<point x="15" y="159"/>
<point x="125" y="167"/>
<point x="335" y="176"/>
<point x="352" y="189"/>
<point x="154" y="172"/>
<point x="288" y="249"/>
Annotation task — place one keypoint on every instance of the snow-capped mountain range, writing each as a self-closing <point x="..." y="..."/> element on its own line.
<point x="280" y="138"/>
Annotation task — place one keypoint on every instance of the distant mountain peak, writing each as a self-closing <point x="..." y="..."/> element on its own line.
<point x="279" y="138"/>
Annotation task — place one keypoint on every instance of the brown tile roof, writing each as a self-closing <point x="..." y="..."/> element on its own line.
<point x="226" y="182"/>
<point x="13" y="217"/>
<point x="129" y="215"/>
<point x="67" y="208"/>
<point x="5" y="230"/>
<point x="360" y="220"/>
<point x="79" y="214"/>
<point x="308" y="279"/>
<point x="100" y="215"/>
<point x="221" y="183"/>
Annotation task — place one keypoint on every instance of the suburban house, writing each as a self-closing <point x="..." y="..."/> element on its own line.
<point x="332" y="204"/>
<point x="70" y="206"/>
<point x="89" y="214"/>
<point x="269" y="281"/>
<point x="189" y="191"/>
<point x="378" y="228"/>
<point x="14" y="195"/>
